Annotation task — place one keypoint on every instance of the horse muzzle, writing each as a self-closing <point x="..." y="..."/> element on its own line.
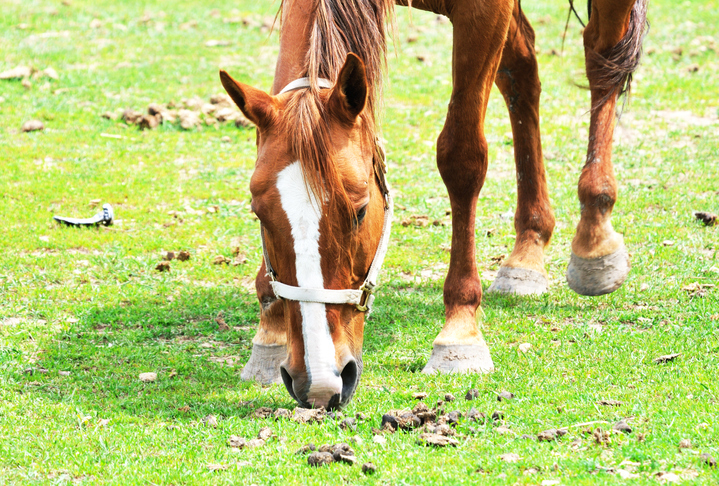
<point x="329" y="390"/>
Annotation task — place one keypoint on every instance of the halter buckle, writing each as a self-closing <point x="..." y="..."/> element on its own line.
<point x="366" y="293"/>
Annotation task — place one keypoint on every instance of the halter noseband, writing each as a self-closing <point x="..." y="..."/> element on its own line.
<point x="361" y="298"/>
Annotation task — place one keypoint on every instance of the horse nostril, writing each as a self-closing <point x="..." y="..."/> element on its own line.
<point x="349" y="375"/>
<point x="287" y="380"/>
<point x="335" y="402"/>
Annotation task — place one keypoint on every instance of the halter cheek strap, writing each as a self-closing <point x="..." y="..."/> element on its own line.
<point x="362" y="298"/>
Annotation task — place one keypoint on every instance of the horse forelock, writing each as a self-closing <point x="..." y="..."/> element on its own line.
<point x="337" y="27"/>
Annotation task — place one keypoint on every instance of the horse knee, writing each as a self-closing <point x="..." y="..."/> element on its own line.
<point x="462" y="162"/>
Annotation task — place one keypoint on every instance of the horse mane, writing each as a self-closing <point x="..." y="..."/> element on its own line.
<point x="337" y="27"/>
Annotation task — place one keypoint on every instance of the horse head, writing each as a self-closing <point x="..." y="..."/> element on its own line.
<point x="323" y="208"/>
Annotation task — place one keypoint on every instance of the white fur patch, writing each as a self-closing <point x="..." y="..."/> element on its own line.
<point x="304" y="213"/>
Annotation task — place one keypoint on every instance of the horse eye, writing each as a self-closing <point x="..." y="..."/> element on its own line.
<point x="361" y="214"/>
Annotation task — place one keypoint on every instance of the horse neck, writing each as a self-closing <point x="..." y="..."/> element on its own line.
<point x="294" y="42"/>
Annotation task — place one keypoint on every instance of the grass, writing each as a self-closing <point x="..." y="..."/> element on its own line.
<point x="90" y="303"/>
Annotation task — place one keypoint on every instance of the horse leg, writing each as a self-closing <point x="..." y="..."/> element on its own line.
<point x="612" y="45"/>
<point x="480" y="29"/>
<point x="518" y="80"/>
<point x="269" y="346"/>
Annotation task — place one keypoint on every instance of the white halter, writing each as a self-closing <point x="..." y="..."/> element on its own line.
<point x="305" y="83"/>
<point x="362" y="298"/>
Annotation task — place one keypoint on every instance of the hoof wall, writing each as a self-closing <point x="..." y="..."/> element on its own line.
<point x="459" y="358"/>
<point x="519" y="281"/>
<point x="598" y="276"/>
<point x="264" y="364"/>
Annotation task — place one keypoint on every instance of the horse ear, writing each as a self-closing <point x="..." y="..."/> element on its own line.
<point x="257" y="106"/>
<point x="349" y="95"/>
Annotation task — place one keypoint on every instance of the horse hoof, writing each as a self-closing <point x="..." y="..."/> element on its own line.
<point x="459" y="358"/>
<point x="264" y="364"/>
<point x="519" y="281"/>
<point x="598" y="276"/>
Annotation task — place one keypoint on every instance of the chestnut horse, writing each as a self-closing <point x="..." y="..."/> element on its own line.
<point x="323" y="203"/>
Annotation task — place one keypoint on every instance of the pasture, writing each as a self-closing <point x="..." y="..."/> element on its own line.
<point x="83" y="312"/>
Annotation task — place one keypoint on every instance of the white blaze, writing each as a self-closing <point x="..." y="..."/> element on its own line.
<point x="304" y="213"/>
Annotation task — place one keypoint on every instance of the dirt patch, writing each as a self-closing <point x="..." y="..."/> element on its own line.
<point x="708" y="459"/>
<point x="163" y="266"/>
<point x="551" y="435"/>
<point x="709" y="219"/>
<point x="420" y="220"/>
<point x="622" y="426"/>
<point x="438" y="440"/>
<point x="309" y="415"/>
<point x="148" y="377"/>
<point x="190" y="114"/>
<point x="327" y="454"/>
<point x="504" y="395"/>
<point x="33" y="126"/>
<point x="609" y="403"/>
<point x="666" y="358"/>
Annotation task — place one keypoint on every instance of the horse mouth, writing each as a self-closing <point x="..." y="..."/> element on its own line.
<point x="350" y="379"/>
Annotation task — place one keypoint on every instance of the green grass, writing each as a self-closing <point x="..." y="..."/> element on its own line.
<point x="89" y="302"/>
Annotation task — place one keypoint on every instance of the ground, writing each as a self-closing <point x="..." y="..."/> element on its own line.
<point x="84" y="312"/>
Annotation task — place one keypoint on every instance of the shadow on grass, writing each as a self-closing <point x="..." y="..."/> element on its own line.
<point x="198" y="366"/>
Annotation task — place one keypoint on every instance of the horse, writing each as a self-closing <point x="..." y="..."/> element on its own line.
<point x="320" y="191"/>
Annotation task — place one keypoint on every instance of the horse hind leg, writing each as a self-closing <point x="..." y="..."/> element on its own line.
<point x="479" y="33"/>
<point x="599" y="262"/>
<point x="523" y="272"/>
<point x="269" y="346"/>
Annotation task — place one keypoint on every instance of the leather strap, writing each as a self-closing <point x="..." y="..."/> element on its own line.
<point x="321" y="296"/>
<point x="270" y="271"/>
<point x="305" y="83"/>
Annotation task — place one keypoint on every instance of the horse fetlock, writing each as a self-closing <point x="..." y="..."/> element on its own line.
<point x="595" y="237"/>
<point x="461" y="327"/>
<point x="264" y="363"/>
<point x="523" y="273"/>
<point x="528" y="252"/>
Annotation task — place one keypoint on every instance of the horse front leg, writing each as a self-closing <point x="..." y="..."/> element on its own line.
<point x="612" y="44"/>
<point x="269" y="346"/>
<point x="479" y="32"/>
<point x="523" y="272"/>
